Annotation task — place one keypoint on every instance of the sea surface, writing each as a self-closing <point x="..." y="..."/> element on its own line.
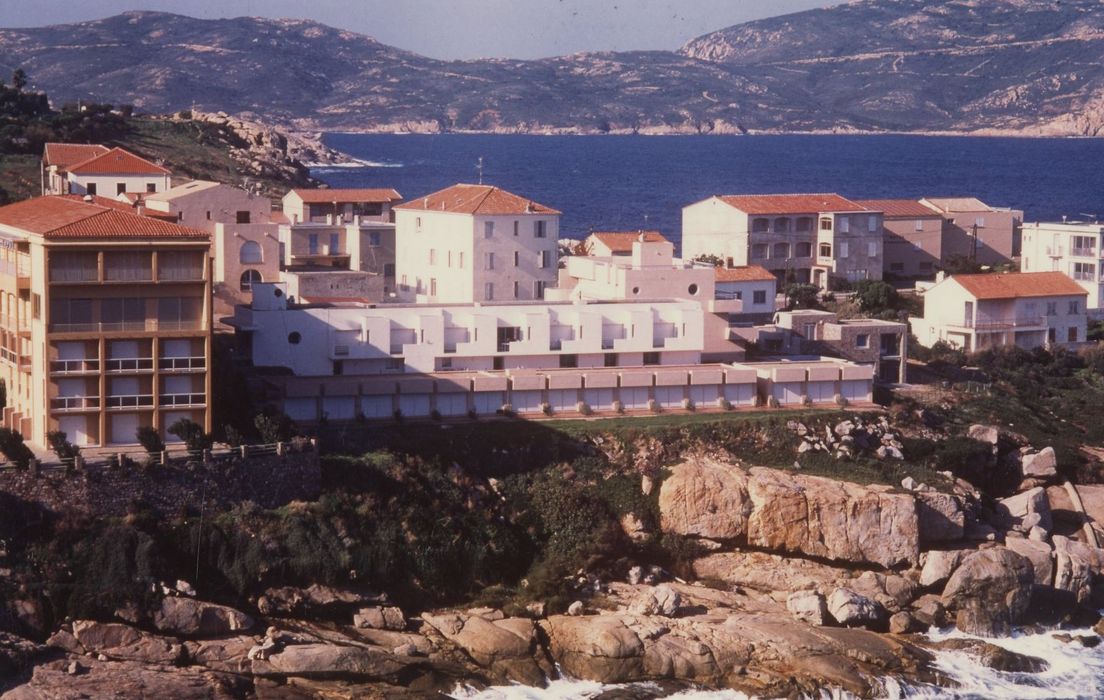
<point x="633" y="182"/>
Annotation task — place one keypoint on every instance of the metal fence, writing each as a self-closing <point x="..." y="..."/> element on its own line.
<point x="171" y="456"/>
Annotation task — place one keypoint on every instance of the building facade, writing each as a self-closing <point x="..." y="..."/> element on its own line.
<point x="810" y="238"/>
<point x="475" y="243"/>
<point x="868" y="341"/>
<point x="104" y="172"/>
<point x="913" y="237"/>
<point x="1074" y="248"/>
<point x="1026" y="309"/>
<point x="975" y="231"/>
<point x="105" y="322"/>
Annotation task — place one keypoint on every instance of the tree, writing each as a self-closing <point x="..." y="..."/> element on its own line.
<point x="150" y="440"/>
<point x="275" y="427"/>
<point x="960" y="264"/>
<point x="192" y="434"/>
<point x="58" y="441"/>
<point x="875" y="296"/>
<point x="12" y="446"/>
<point x="19" y="79"/>
<point x="709" y="259"/>
<point x="802" y="296"/>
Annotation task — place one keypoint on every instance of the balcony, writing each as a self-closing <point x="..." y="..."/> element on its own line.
<point x="1083" y="252"/>
<point x="67" y="404"/>
<point x="19" y="268"/>
<point x="991" y="325"/>
<point x="183" y="364"/>
<point x="148" y="325"/>
<point x="89" y="365"/>
<point x="120" y="365"/>
<point x="130" y="401"/>
<point x="183" y="400"/>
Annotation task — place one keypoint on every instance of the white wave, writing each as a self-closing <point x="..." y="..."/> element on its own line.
<point x="354" y="164"/>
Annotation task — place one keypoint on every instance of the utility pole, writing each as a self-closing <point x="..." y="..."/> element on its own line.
<point x="480" y="167"/>
<point x="973" y="255"/>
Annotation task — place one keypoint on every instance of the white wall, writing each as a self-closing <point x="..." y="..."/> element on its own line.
<point x="106" y="185"/>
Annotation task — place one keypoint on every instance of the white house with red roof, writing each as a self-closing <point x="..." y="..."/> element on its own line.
<point x="1027" y="309"/>
<point x="471" y="243"/>
<point x="812" y="238"/>
<point x="97" y="170"/>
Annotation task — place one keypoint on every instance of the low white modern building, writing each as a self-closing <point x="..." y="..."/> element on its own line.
<point x="471" y="243"/>
<point x="1027" y="309"/>
<point x="1075" y="248"/>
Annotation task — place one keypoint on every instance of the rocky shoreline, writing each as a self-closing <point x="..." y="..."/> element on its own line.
<point x="801" y="583"/>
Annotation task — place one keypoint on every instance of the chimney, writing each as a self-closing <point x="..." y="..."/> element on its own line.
<point x="940" y="276"/>
<point x="529" y="207"/>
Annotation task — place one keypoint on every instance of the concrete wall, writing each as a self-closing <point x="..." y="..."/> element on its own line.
<point x="208" y="206"/>
<point x="914" y="247"/>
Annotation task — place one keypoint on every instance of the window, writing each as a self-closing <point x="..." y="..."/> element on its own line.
<point x="872" y="223"/>
<point x="651" y="358"/>
<point x="610" y="360"/>
<point x="335" y="244"/>
<point x="250" y="253"/>
<point x="120" y="188"/>
<point x="179" y="313"/>
<point x="759" y="250"/>
<point x="543" y="261"/>
<point x="517" y="289"/>
<point x="803" y="250"/>
<point x="460" y="260"/>
<point x="804" y="223"/>
<point x="448" y="258"/>
<point x="538" y="289"/>
<point x="1072" y="335"/>
<point x="488" y="229"/>
<point x="488" y="261"/>
<point x="845" y="224"/>
<point x="499" y="362"/>
<point x="759" y="296"/>
<point x="872" y="249"/>
<point x="432" y="286"/>
<point x="74" y="267"/>
<point x="312" y="244"/>
<point x="1052" y="308"/>
<point x="844" y="249"/>
<point x="1082" y="245"/>
<point x="760" y="225"/>
<point x="374" y="239"/>
<point x="517" y="259"/>
<point x="294" y="337"/>
<point x="418" y="224"/>
<point x="1074" y="307"/>
<point x="979" y="222"/>
<point x="1084" y="271"/>
<point x="781" y="251"/>
<point x="151" y="187"/>
<point x="405" y="284"/>
<point x="862" y="340"/>
<point x="488" y="291"/>
<point x="919" y="225"/>
<point x="136" y="266"/>
<point x="208" y="216"/>
<point x="539" y="229"/>
<point x="91" y="189"/>
<point x="781" y="225"/>
<point x="692" y="290"/>
<point x="241" y="217"/>
<point x="432" y="256"/>
<point x="825" y="250"/>
<point x="896" y="267"/>
<point x="248" y="279"/>
<point x="516" y="226"/>
<point x="569" y="361"/>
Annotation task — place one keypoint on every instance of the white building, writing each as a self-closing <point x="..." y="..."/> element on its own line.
<point x="1074" y="248"/>
<point x="977" y="312"/>
<point x="103" y="171"/>
<point x="472" y="243"/>
<point x="811" y="238"/>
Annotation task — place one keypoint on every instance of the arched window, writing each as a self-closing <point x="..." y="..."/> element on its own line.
<point x="248" y="279"/>
<point x="250" y="253"/>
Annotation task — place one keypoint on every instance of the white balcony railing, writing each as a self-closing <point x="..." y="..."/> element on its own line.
<point x="181" y="400"/>
<point x="130" y="401"/>
<point x="129" y="364"/>
<point x="181" y="364"/>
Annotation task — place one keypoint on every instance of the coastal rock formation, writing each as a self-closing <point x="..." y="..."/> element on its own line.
<point x="990" y="591"/>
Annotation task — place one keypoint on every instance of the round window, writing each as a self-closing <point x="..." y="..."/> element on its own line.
<point x="693" y="289"/>
<point x="294" y="337"/>
<point x="278" y="292"/>
<point x="636" y="290"/>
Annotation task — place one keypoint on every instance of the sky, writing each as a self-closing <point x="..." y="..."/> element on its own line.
<point x="458" y="29"/>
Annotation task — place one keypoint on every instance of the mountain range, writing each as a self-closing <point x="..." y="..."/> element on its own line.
<point x="1031" y="67"/>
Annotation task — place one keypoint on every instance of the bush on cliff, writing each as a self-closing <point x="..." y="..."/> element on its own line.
<point x="14" y="449"/>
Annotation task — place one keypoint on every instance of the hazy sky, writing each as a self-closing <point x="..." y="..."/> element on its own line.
<point x="458" y="28"/>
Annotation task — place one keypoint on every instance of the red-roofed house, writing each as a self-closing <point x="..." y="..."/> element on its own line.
<point x="606" y="244"/>
<point x="1028" y="309"/>
<point x="475" y="243"/>
<point x="812" y="238"/>
<point x="97" y="170"/>
<point x="105" y="321"/>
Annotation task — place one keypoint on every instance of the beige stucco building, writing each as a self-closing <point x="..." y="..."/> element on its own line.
<point x="105" y="321"/>
<point x="472" y="243"/>
<point x="977" y="231"/>
<point x="1027" y="309"/>
<point x="814" y="238"/>
<point x="914" y="235"/>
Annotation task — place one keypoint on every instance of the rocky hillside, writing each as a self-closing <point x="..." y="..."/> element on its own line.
<point x="1018" y="66"/>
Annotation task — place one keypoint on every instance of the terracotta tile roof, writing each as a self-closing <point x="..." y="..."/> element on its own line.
<point x="790" y="203"/>
<point x="1015" y="285"/>
<point x="747" y="273"/>
<point x="622" y="241"/>
<point x="66" y="218"/>
<point x="118" y="161"/>
<point x="64" y="155"/>
<point x="900" y="208"/>
<point x="329" y="195"/>
<point x="476" y="199"/>
<point x="99" y="201"/>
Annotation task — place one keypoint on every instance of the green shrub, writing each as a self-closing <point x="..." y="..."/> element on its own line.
<point x="150" y="440"/>
<point x="192" y="434"/>
<point x="59" y="443"/>
<point x="14" y="449"/>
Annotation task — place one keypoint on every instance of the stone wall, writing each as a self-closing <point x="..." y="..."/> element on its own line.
<point x="102" y="490"/>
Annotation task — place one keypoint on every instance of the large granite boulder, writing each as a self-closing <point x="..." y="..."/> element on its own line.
<point x="990" y="591"/>
<point x="942" y="517"/>
<point x="1026" y="510"/>
<point x="322" y="661"/>
<point x="705" y="498"/>
<point x="188" y="617"/>
<point x="1039" y="554"/>
<point x="504" y="645"/>
<point x="121" y="643"/>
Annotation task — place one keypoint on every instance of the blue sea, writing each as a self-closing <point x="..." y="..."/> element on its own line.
<point x="632" y="182"/>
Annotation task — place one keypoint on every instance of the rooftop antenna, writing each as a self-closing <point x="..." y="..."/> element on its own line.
<point x="1094" y="217"/>
<point x="480" y="167"/>
<point x="645" y="222"/>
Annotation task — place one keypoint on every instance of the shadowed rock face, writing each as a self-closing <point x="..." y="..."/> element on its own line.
<point x="1029" y="66"/>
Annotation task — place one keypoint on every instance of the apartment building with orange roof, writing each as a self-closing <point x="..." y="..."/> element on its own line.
<point x="813" y="238"/>
<point x="92" y="169"/>
<point x="474" y="243"/>
<point x="105" y="321"/>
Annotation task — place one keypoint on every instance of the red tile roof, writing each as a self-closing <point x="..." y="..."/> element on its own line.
<point x="118" y="161"/>
<point x="476" y="199"/>
<point x="747" y="273"/>
<point x="99" y="201"/>
<point x="64" y="155"/>
<point x="1014" y="285"/>
<point x="790" y="203"/>
<point x="900" y="208"/>
<point x="65" y="218"/>
<point x="622" y="241"/>
<point x="329" y="195"/>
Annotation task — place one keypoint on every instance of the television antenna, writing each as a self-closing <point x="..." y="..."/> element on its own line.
<point x="479" y="166"/>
